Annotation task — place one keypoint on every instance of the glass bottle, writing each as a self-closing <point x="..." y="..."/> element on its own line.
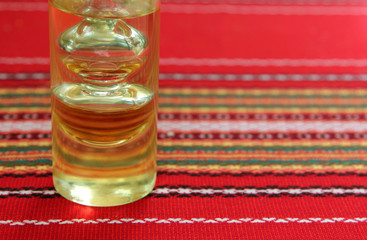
<point x="104" y="90"/>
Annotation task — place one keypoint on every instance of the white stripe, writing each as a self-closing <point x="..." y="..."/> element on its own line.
<point x="28" y="192"/>
<point x="262" y="126"/>
<point x="256" y="62"/>
<point x="175" y="220"/>
<point x="264" y="10"/>
<point x="271" y="191"/>
<point x="211" y="191"/>
<point x="22" y="76"/>
<point x="218" y="126"/>
<point x="24" y="61"/>
<point x="348" y="77"/>
<point x="24" y="126"/>
<point x="262" y="77"/>
<point x="229" y="62"/>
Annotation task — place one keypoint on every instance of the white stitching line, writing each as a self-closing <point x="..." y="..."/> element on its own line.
<point x="212" y="191"/>
<point x="271" y="191"/>
<point x="183" y="221"/>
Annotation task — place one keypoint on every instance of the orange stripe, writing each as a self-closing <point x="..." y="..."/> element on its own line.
<point x="264" y="101"/>
<point x="25" y="100"/>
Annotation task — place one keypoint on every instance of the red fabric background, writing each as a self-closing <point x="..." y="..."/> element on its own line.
<point x="206" y="36"/>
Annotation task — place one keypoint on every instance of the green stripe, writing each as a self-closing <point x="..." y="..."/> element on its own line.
<point x="259" y="148"/>
<point x="48" y="162"/>
<point x="37" y="162"/>
<point x="15" y="95"/>
<point x="262" y="162"/>
<point x="174" y="148"/>
<point x="24" y="149"/>
<point x="20" y="105"/>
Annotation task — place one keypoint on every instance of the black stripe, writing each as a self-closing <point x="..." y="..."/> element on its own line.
<point x="222" y="174"/>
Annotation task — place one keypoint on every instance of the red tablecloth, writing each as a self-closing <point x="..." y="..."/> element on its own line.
<point x="262" y="126"/>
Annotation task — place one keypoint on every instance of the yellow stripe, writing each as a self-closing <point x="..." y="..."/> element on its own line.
<point x="25" y="100"/>
<point x="221" y="143"/>
<point x="219" y="91"/>
<point x="266" y="143"/>
<point x="214" y="101"/>
<point x="242" y="110"/>
<point x="26" y="156"/>
<point x="38" y="90"/>
<point x="263" y="168"/>
<point x="220" y="168"/>
<point x="38" y="143"/>
<point x="264" y="101"/>
<point x="26" y="168"/>
<point x="257" y="92"/>
<point x="27" y="110"/>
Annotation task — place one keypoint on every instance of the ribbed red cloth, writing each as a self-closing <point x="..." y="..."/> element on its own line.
<point x="262" y="126"/>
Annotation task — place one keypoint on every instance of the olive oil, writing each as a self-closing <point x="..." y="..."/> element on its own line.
<point x="104" y="80"/>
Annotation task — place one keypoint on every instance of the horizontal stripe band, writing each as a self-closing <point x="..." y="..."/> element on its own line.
<point x="220" y="9"/>
<point x="262" y="126"/>
<point x="242" y="106"/>
<point x="175" y="220"/>
<point x="247" y="98"/>
<point x="204" y="126"/>
<point x="264" y="10"/>
<point x="217" y="136"/>
<point x="227" y="101"/>
<point x="259" y="136"/>
<point x="217" y="107"/>
<point x="219" y="77"/>
<point x="273" y="149"/>
<point x="211" y="116"/>
<point x="190" y="162"/>
<point x="219" y="169"/>
<point x="248" y="162"/>
<point x="24" y="174"/>
<point x="256" y="62"/>
<point x="230" y="62"/>
<point x="176" y="191"/>
<point x="219" y="91"/>
<point x="209" y="102"/>
<point x="275" y="2"/>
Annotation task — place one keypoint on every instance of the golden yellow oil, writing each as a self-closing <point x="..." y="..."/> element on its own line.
<point x="104" y="80"/>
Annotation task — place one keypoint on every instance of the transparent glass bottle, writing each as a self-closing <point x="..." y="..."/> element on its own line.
<point x="104" y="89"/>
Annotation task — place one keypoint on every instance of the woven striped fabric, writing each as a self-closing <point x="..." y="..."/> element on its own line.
<point x="262" y="126"/>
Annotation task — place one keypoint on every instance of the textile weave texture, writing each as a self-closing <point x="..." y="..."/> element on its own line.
<point x="262" y="126"/>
